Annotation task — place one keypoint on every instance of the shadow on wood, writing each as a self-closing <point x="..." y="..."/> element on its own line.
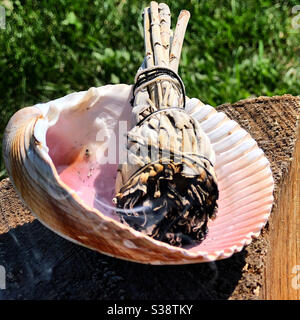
<point x="41" y="265"/>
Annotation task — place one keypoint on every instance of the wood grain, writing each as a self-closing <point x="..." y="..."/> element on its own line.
<point x="284" y="253"/>
<point x="274" y="123"/>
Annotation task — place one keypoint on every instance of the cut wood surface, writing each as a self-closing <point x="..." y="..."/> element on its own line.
<point x="41" y="265"/>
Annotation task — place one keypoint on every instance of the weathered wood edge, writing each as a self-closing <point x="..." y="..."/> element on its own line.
<point x="271" y="258"/>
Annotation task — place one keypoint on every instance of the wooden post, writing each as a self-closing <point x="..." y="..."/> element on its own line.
<point x="282" y="279"/>
<point x="266" y="269"/>
<point x="274" y="124"/>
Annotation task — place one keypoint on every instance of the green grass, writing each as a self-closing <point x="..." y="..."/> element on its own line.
<point x="232" y="49"/>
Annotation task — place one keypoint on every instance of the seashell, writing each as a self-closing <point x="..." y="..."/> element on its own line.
<point x="50" y="149"/>
<point x="63" y="156"/>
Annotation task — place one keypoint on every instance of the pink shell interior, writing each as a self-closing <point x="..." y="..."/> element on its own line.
<point x="75" y="152"/>
<point x="244" y="176"/>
